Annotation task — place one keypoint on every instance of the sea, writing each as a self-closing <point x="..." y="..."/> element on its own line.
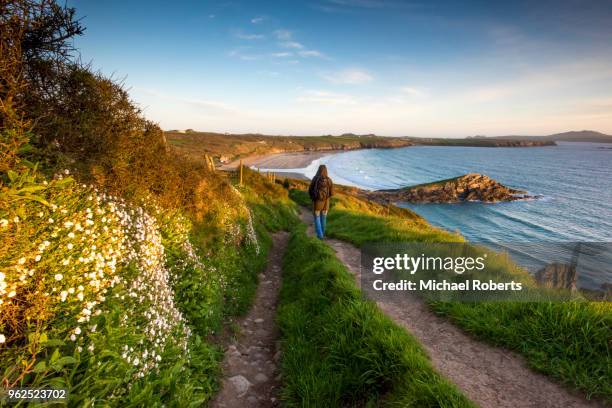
<point x="573" y="182"/>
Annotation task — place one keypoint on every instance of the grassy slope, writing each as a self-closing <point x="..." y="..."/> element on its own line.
<point x="339" y="349"/>
<point x="569" y="341"/>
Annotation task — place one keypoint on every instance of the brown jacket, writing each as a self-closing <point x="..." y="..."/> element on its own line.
<point x="320" y="205"/>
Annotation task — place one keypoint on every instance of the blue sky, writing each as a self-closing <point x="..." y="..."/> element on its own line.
<point x="390" y="67"/>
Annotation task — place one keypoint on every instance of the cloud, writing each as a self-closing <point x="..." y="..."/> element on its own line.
<point x="360" y="3"/>
<point x="348" y="76"/>
<point x="244" y="36"/>
<point x="543" y="81"/>
<point x="408" y="90"/>
<point x="325" y="97"/>
<point x="269" y="73"/>
<point x="282" y="54"/>
<point x="199" y="103"/>
<point x="284" y="35"/>
<point x="291" y="44"/>
<point x="311" y="53"/>
<point x="258" y="20"/>
<point x="238" y="53"/>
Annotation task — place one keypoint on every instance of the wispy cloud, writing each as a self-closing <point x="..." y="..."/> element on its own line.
<point x="258" y="19"/>
<point x="325" y="97"/>
<point x="244" y="36"/>
<point x="544" y="81"/>
<point x="282" y="54"/>
<point x="283" y="35"/>
<point x="311" y="53"/>
<point x="199" y="103"/>
<point x="286" y="40"/>
<point x="411" y="91"/>
<point x="360" y="3"/>
<point x="291" y="44"/>
<point x="348" y="76"/>
<point x="241" y="54"/>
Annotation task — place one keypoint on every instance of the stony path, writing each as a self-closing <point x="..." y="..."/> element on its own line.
<point x="491" y="377"/>
<point x="250" y="372"/>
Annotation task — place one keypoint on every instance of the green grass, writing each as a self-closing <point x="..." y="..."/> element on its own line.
<point x="339" y="349"/>
<point x="570" y="341"/>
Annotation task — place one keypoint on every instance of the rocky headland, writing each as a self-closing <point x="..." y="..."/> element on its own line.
<point x="469" y="187"/>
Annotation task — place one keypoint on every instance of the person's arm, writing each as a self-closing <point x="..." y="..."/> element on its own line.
<point x="311" y="188"/>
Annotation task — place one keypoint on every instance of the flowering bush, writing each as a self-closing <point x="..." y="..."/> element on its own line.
<point x="95" y="289"/>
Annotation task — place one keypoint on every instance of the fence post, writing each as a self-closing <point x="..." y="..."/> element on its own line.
<point x="240" y="171"/>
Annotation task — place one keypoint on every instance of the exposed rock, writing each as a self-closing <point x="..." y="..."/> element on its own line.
<point x="261" y="378"/>
<point x="240" y="383"/>
<point x="470" y="187"/>
<point x="557" y="276"/>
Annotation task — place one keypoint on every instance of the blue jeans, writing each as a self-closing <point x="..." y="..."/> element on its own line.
<point x="320" y="220"/>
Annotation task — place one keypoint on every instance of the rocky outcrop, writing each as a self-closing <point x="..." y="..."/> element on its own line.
<point x="470" y="187"/>
<point x="557" y="276"/>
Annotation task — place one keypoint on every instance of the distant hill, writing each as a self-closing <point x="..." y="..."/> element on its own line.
<point x="573" y="136"/>
<point x="225" y="147"/>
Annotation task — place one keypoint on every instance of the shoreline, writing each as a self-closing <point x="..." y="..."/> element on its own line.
<point x="284" y="164"/>
<point x="281" y="160"/>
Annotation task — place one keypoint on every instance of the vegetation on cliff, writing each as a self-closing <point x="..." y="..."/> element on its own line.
<point x="227" y="147"/>
<point x="469" y="187"/>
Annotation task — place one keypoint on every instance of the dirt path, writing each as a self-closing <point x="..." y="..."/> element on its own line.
<point x="250" y="374"/>
<point x="492" y="377"/>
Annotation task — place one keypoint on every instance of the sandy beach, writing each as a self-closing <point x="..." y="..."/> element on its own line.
<point x="289" y="160"/>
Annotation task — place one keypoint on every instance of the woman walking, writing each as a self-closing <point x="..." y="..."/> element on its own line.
<point x="321" y="189"/>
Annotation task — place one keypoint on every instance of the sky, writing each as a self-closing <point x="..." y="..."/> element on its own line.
<point x="389" y="67"/>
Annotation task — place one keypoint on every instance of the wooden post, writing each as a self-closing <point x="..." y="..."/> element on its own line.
<point x="212" y="164"/>
<point x="240" y="171"/>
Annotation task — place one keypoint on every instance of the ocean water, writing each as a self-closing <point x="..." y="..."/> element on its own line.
<point x="574" y="180"/>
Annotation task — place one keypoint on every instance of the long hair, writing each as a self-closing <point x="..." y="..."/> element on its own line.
<point x="322" y="172"/>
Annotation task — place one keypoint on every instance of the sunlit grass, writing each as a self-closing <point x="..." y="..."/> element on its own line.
<point x="339" y="349"/>
<point x="570" y="341"/>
